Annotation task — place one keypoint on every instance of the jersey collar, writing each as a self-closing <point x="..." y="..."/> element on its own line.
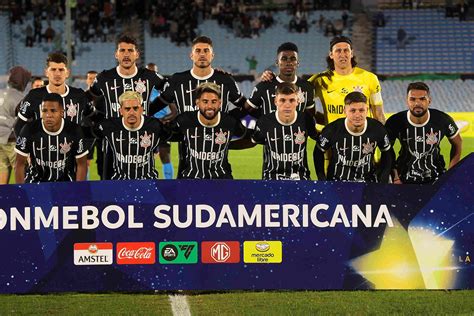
<point x="53" y="133"/>
<point x="202" y="78"/>
<point x="418" y="125"/>
<point x="285" y="124"/>
<point x="129" y="76"/>
<point x="281" y="80"/>
<point x="352" y="133"/>
<point x="62" y="95"/>
<point x="217" y="123"/>
<point x="134" y="129"/>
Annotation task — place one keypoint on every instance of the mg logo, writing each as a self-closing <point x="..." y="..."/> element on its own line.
<point x="220" y="252"/>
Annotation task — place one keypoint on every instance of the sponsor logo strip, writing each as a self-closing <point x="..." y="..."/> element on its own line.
<point x="178" y="252"/>
<point x="263" y="252"/>
<point x="220" y="252"/>
<point x="136" y="253"/>
<point x="99" y="253"/>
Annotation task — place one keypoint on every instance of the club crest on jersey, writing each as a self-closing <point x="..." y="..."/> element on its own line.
<point x="368" y="148"/>
<point x="145" y="140"/>
<point x="221" y="137"/>
<point x="432" y="138"/>
<point x="301" y="98"/>
<point x="299" y="137"/>
<point x="65" y="148"/>
<point x="71" y="110"/>
<point x="358" y="89"/>
<point x="140" y="86"/>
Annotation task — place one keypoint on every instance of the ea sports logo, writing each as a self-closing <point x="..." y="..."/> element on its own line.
<point x="169" y="252"/>
<point x="220" y="252"/>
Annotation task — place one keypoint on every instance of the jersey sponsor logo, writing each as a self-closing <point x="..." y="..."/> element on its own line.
<point x="127" y="87"/>
<point x="335" y="109"/>
<point x="93" y="254"/>
<point x="331" y="91"/>
<point x="137" y="159"/>
<point x="221" y="137"/>
<point x="432" y="138"/>
<point x="52" y="148"/>
<point x="178" y="252"/>
<point x="355" y="148"/>
<point x="220" y="252"/>
<point x="81" y="146"/>
<point x="136" y="253"/>
<point x="145" y="140"/>
<point x="115" y="106"/>
<point x="263" y="252"/>
<point x="207" y="155"/>
<point x="287" y="138"/>
<point x="65" y="148"/>
<point x="133" y="141"/>
<point x="292" y="177"/>
<point x="71" y="109"/>
<point x="21" y="142"/>
<point x="418" y="139"/>
<point x="323" y="141"/>
<point x="368" y="148"/>
<point x="300" y="138"/>
<point x="344" y="91"/>
<point x="354" y="163"/>
<point x="24" y="106"/>
<point x="140" y="86"/>
<point x="57" y="164"/>
<point x="452" y="129"/>
<point x="298" y="156"/>
<point x="208" y="137"/>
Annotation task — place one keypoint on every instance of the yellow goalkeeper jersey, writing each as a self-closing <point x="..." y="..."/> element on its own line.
<point x="332" y="89"/>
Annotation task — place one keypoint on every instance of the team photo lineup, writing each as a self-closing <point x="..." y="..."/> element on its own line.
<point x="130" y="114"/>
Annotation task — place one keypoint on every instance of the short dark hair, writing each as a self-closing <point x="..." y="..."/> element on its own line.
<point x="33" y="79"/>
<point x="92" y="72"/>
<point x="56" y="58"/>
<point x="288" y="46"/>
<point x="418" y="86"/>
<point x="355" y="97"/>
<point x="53" y="97"/>
<point x="202" y="39"/>
<point x="208" y="87"/>
<point x="125" y="38"/>
<point x="286" y="88"/>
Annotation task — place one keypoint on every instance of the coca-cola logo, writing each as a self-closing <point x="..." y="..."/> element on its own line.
<point x="136" y="252"/>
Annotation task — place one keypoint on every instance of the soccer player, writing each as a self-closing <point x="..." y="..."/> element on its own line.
<point x="164" y="149"/>
<point x="420" y="131"/>
<point x="125" y="77"/>
<point x="352" y="142"/>
<point x="206" y="135"/>
<point x="284" y="134"/>
<point x="133" y="139"/>
<point x="36" y="82"/>
<point x="74" y="100"/>
<point x="342" y="78"/>
<point x="54" y="145"/>
<point x="10" y="97"/>
<point x="263" y="95"/>
<point x="181" y="87"/>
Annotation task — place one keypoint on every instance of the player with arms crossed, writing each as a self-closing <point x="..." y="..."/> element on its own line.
<point x="352" y="142"/>
<point x="420" y="131"/>
<point x="133" y="139"/>
<point x="206" y="135"/>
<point x="284" y="134"/>
<point x="52" y="144"/>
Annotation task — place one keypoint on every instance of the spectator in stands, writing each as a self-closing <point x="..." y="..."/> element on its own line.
<point x="345" y="19"/>
<point x="252" y="61"/>
<point x="37" y="25"/>
<point x="11" y="97"/>
<point x="379" y="19"/>
<point x="419" y="159"/>
<point x="329" y="30"/>
<point x="321" y="23"/>
<point x="255" y="26"/>
<point x="402" y="38"/>
<point x="29" y="40"/>
<point x="49" y="34"/>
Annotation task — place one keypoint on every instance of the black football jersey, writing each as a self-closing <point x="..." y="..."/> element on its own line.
<point x="206" y="147"/>
<point x="180" y="89"/>
<point x="419" y="159"/>
<point x="352" y="154"/>
<point x="263" y="95"/>
<point x="284" y="153"/>
<point x="133" y="149"/>
<point x="52" y="155"/>
<point x="111" y="85"/>
<point x="75" y="104"/>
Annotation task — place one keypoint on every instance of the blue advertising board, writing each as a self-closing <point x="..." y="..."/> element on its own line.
<point x="221" y="235"/>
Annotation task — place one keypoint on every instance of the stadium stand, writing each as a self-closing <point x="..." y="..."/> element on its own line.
<point x="5" y="52"/>
<point x="435" y="44"/>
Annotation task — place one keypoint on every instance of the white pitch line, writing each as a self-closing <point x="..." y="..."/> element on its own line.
<point x="179" y="305"/>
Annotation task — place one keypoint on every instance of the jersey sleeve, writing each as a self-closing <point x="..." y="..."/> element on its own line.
<point x="239" y="129"/>
<point x="167" y="94"/>
<point x="258" y="136"/>
<point x="310" y="126"/>
<point x="375" y="97"/>
<point x="324" y="139"/>
<point x="95" y="87"/>
<point x="391" y="129"/>
<point x="23" y="142"/>
<point x="79" y="150"/>
<point x="384" y="142"/>
<point x="235" y="95"/>
<point x="310" y="104"/>
<point x="255" y="99"/>
<point x="27" y="109"/>
<point x="452" y="130"/>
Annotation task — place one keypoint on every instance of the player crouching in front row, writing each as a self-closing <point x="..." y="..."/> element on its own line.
<point x="352" y="141"/>
<point x="52" y="143"/>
